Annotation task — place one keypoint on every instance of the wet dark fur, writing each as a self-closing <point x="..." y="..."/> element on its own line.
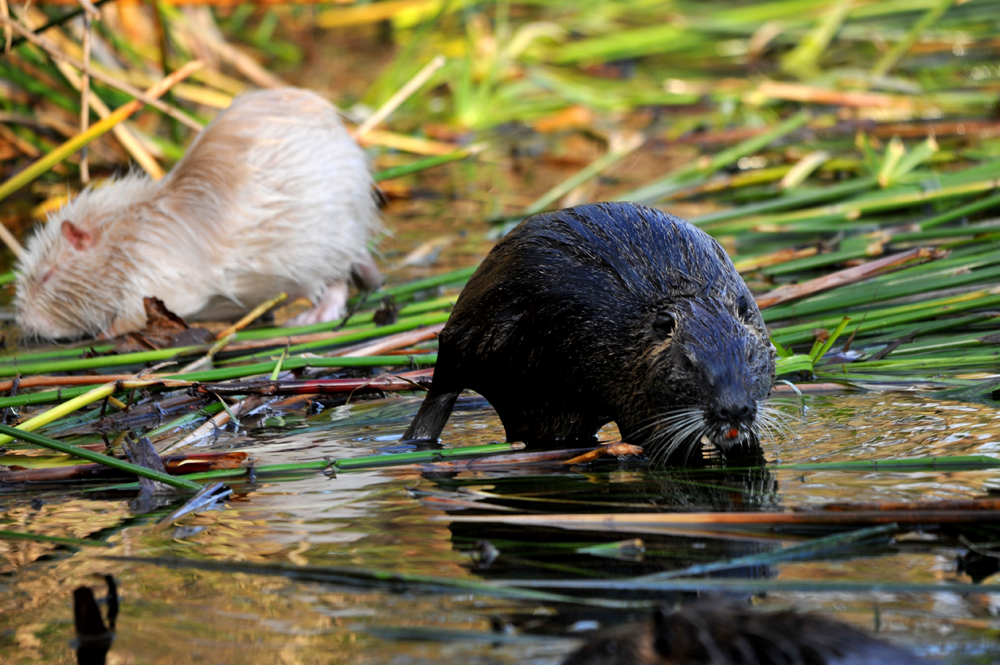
<point x="604" y="312"/>
<point x="725" y="634"/>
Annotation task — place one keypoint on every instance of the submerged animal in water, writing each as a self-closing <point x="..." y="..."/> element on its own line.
<point x="719" y="633"/>
<point x="608" y="312"/>
<point x="274" y="195"/>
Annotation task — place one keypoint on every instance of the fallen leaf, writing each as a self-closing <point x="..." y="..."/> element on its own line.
<point x="164" y="329"/>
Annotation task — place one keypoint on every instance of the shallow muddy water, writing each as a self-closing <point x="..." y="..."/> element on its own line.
<point x="206" y="595"/>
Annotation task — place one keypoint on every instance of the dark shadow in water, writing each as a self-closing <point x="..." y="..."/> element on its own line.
<point x="532" y="552"/>
<point x="722" y="633"/>
<point x="980" y="560"/>
<point x="93" y="636"/>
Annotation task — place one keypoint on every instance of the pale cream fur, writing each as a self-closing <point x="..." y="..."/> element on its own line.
<point x="272" y="196"/>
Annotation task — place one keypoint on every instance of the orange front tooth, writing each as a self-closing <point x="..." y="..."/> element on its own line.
<point x="732" y="434"/>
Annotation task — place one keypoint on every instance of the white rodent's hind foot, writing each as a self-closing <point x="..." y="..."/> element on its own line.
<point x="332" y="305"/>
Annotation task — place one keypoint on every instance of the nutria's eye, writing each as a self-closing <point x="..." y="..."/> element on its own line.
<point x="743" y="306"/>
<point x="664" y="323"/>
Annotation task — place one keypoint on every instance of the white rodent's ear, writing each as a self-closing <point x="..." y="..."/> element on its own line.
<point x="80" y="240"/>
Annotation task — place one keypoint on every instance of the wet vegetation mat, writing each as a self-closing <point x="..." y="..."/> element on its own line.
<point x="240" y="493"/>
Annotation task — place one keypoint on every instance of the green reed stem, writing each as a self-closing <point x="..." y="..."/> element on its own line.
<point x="424" y="164"/>
<point x="672" y="182"/>
<point x="83" y="453"/>
<point x="237" y="372"/>
<point x="55" y="540"/>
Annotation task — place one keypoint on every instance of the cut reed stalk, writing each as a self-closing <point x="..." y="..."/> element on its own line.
<point x="686" y="175"/>
<point x="8" y="433"/>
<point x="401" y="95"/>
<point x="88" y="398"/>
<point x="97" y="129"/>
<point x="140" y="96"/>
<point x="237" y="372"/>
<point x="842" y="277"/>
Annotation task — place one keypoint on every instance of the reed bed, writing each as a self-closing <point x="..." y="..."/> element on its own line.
<point x="812" y="152"/>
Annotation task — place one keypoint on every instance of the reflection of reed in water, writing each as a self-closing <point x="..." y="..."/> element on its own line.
<point x="94" y="637"/>
<point x="740" y="483"/>
<point x="541" y="552"/>
<point x="544" y="553"/>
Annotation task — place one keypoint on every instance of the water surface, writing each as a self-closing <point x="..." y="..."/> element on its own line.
<point x="387" y="519"/>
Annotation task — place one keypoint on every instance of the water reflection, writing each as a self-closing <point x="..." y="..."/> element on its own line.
<point x="887" y="426"/>
<point x="530" y="551"/>
<point x="376" y="519"/>
<point x="93" y="636"/>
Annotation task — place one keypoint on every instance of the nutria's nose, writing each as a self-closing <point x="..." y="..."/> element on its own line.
<point x="735" y="414"/>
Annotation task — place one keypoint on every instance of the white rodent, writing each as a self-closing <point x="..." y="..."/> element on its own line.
<point x="273" y="195"/>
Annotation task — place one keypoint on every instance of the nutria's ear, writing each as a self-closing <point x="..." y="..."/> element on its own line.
<point x="80" y="240"/>
<point x="743" y="306"/>
<point x="664" y="323"/>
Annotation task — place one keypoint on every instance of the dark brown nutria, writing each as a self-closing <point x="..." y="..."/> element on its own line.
<point x="726" y="634"/>
<point x="608" y="312"/>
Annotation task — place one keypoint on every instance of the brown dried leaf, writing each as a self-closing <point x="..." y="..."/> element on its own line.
<point x="164" y="329"/>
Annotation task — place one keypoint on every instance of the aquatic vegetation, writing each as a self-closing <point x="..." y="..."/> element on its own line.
<point x="844" y="153"/>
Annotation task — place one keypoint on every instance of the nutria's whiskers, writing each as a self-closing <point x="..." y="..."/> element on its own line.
<point x="765" y="423"/>
<point x="686" y="432"/>
<point x="777" y="419"/>
<point x="659" y="421"/>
